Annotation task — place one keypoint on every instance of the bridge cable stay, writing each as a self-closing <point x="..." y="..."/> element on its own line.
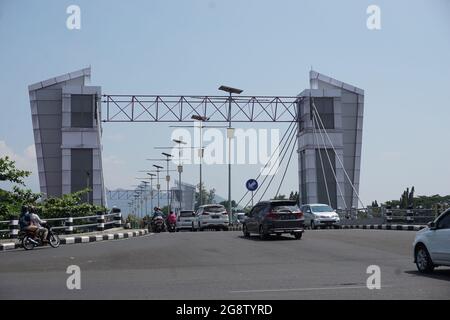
<point x="285" y="170"/>
<point x="283" y="150"/>
<point x="268" y="161"/>
<point x="329" y="161"/>
<point x="282" y="158"/>
<point x="321" y="161"/>
<point x="334" y="149"/>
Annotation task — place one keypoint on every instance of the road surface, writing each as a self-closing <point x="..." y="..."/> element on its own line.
<point x="325" y="264"/>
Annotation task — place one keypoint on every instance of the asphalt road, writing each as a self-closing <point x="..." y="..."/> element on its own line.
<point x="325" y="264"/>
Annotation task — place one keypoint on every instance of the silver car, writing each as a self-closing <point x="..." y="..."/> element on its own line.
<point x="320" y="215"/>
<point x="432" y="244"/>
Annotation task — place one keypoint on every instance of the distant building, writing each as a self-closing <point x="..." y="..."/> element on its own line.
<point x="67" y="132"/>
<point x="341" y="109"/>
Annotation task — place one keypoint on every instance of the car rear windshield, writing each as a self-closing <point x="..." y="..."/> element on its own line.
<point x="285" y="207"/>
<point x="321" y="209"/>
<point x="214" y="209"/>
<point x="185" y="214"/>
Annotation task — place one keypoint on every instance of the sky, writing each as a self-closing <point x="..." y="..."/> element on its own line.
<point x="263" y="47"/>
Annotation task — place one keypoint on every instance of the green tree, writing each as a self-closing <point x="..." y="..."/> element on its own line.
<point x="11" y="201"/>
<point x="68" y="205"/>
<point x="225" y="204"/>
<point x="207" y="196"/>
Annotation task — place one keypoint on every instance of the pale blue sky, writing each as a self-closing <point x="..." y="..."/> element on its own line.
<point x="264" y="47"/>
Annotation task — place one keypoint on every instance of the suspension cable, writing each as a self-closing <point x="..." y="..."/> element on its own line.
<point x="283" y="148"/>
<point x="321" y="162"/>
<point x="289" y="129"/>
<point x="285" y="170"/>
<point x="331" y="164"/>
<point x="339" y="159"/>
<point x="282" y="158"/>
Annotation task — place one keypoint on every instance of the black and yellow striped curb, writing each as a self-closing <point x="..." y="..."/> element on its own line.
<point x="403" y="227"/>
<point x="86" y="239"/>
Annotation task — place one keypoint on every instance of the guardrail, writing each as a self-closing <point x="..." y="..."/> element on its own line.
<point x="98" y="222"/>
<point x="390" y="215"/>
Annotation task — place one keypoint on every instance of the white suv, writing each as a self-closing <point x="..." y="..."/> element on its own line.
<point x="186" y="220"/>
<point x="432" y="244"/>
<point x="212" y="216"/>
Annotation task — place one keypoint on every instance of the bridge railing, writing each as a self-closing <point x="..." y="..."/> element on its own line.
<point x="389" y="215"/>
<point x="68" y="225"/>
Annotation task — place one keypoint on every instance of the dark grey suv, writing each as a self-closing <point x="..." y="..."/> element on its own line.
<point x="274" y="217"/>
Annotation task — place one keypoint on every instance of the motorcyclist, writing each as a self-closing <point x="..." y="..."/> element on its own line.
<point x="25" y="220"/>
<point x="172" y="218"/>
<point x="37" y="222"/>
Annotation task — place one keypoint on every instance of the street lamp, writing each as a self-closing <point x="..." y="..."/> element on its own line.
<point x="158" y="186"/>
<point x="230" y="135"/>
<point x="168" y="156"/>
<point x="152" y="176"/>
<point x="201" y="152"/>
<point x="180" y="167"/>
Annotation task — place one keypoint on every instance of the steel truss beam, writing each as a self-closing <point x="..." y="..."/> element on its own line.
<point x="167" y="108"/>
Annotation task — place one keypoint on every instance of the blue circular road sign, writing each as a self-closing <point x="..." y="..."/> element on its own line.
<point x="251" y="185"/>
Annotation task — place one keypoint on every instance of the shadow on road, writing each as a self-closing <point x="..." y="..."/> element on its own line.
<point x="440" y="274"/>
<point x="270" y="238"/>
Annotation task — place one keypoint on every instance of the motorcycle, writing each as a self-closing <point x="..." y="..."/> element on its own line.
<point x="158" y="224"/>
<point x="29" y="239"/>
<point x="171" y="226"/>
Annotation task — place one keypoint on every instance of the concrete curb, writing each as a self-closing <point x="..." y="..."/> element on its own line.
<point x="366" y="226"/>
<point x="85" y="239"/>
<point x="385" y="227"/>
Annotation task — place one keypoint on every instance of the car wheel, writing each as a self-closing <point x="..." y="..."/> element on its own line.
<point x="225" y="228"/>
<point x="262" y="234"/>
<point x="313" y="225"/>
<point x="298" y="235"/>
<point x="245" y="231"/>
<point x="423" y="260"/>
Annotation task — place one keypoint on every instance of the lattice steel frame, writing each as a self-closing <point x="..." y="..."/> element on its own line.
<point x="171" y="108"/>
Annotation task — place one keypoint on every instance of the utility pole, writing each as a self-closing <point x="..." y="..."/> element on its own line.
<point x="230" y="135"/>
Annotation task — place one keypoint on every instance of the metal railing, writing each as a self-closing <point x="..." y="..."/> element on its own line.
<point x="390" y="215"/>
<point x="98" y="222"/>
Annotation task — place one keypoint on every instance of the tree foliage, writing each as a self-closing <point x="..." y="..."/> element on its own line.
<point x="69" y="205"/>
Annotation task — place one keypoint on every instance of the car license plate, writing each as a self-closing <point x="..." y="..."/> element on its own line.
<point x="215" y="217"/>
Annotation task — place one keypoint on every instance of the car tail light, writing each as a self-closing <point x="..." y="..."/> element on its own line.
<point x="272" y="216"/>
<point x="299" y="215"/>
<point x="205" y="214"/>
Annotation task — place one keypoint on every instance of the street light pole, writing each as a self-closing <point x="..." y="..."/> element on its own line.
<point x="152" y="176"/>
<point x="180" y="168"/>
<point x="158" y="186"/>
<point x="168" y="156"/>
<point x="230" y="134"/>
<point x="201" y="119"/>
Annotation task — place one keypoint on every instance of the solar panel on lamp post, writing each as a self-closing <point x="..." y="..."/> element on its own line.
<point x="230" y="134"/>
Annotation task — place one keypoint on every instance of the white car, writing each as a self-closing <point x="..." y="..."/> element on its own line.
<point x="320" y="215"/>
<point x="432" y="244"/>
<point x="212" y="216"/>
<point x="186" y="220"/>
